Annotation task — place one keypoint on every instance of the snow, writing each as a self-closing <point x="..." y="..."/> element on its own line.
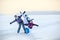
<point x="49" y="28"/>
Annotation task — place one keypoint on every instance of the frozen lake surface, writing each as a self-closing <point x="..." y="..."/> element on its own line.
<point x="49" y="28"/>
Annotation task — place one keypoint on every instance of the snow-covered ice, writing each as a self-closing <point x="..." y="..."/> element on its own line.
<point x="49" y="28"/>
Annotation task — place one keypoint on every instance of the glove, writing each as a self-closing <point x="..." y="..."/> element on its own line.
<point x="24" y="12"/>
<point x="10" y="23"/>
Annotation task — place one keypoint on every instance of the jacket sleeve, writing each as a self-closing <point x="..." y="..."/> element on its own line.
<point x="13" y="21"/>
<point x="22" y="14"/>
<point x="28" y="19"/>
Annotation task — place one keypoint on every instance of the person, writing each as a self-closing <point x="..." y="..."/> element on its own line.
<point x="20" y="21"/>
<point x="30" y="22"/>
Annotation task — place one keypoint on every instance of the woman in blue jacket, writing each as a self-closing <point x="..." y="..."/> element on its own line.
<point x="20" y="22"/>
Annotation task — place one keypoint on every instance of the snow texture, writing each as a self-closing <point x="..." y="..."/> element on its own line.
<point x="49" y="28"/>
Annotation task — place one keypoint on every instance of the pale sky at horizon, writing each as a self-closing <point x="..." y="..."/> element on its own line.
<point x="14" y="6"/>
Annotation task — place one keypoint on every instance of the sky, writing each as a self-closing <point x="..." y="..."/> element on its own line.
<point x="14" y="6"/>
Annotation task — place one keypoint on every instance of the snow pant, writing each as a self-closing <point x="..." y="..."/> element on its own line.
<point x="20" y="27"/>
<point x="31" y="25"/>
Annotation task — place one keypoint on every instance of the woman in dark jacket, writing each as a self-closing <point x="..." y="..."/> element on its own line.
<point x="20" y="22"/>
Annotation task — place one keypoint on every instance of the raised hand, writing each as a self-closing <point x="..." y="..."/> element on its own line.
<point x="10" y="23"/>
<point x="24" y="12"/>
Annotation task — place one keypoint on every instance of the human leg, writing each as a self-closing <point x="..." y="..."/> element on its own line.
<point x="19" y="28"/>
<point x="23" y="27"/>
<point x="35" y="25"/>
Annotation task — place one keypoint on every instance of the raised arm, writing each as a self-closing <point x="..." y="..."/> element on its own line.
<point x="31" y="19"/>
<point x="22" y="13"/>
<point x="28" y="19"/>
